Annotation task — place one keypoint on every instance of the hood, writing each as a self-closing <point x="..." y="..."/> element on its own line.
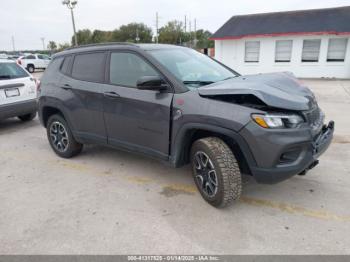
<point x="279" y="90"/>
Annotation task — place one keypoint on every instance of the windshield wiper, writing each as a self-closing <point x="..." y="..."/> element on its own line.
<point x="203" y="83"/>
<point x="5" y="77"/>
<point x="230" y="77"/>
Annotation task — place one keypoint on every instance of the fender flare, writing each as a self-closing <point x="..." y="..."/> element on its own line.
<point x="53" y="103"/>
<point x="179" y="142"/>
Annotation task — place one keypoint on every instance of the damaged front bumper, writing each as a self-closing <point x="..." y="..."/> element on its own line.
<point x="303" y="155"/>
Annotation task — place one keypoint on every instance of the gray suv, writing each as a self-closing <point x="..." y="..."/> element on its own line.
<point x="177" y="105"/>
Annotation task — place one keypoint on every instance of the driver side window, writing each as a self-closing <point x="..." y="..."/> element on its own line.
<point x="127" y="68"/>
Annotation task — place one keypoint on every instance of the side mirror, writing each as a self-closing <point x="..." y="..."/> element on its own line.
<point x="151" y="83"/>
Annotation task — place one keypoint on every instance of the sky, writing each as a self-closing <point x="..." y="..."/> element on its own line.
<point x="27" y="21"/>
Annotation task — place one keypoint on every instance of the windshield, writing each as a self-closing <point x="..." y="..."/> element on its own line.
<point x="191" y="67"/>
<point x="11" y="71"/>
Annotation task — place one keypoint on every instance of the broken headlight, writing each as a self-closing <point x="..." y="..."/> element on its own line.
<point x="278" y="120"/>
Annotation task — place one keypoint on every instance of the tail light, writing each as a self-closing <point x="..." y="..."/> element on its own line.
<point x="19" y="61"/>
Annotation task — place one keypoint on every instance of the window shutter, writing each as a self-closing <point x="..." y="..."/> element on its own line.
<point x="283" y="50"/>
<point x="311" y="50"/>
<point x="337" y="49"/>
<point x="252" y="50"/>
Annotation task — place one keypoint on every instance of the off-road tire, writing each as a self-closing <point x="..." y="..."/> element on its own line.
<point x="229" y="184"/>
<point x="27" y="117"/>
<point x="73" y="147"/>
<point x="31" y="68"/>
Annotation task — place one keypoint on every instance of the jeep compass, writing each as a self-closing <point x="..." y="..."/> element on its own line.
<point x="180" y="106"/>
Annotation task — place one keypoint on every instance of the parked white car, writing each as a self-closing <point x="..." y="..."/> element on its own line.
<point x="34" y="61"/>
<point x="18" y="92"/>
<point x="3" y="56"/>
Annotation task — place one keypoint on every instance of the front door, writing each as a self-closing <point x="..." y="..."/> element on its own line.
<point x="136" y="119"/>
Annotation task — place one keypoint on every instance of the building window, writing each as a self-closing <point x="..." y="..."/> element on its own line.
<point x="337" y="49"/>
<point x="283" y="52"/>
<point x="252" y="51"/>
<point x="311" y="50"/>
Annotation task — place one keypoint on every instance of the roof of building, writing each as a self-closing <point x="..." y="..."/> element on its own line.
<point x="315" y="21"/>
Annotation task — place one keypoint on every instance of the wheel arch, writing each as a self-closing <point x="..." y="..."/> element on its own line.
<point x="180" y="153"/>
<point x="47" y="111"/>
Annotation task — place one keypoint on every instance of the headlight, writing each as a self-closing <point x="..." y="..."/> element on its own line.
<point x="277" y="120"/>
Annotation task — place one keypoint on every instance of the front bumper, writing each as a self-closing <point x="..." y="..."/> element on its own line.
<point x="18" y="108"/>
<point x="270" y="170"/>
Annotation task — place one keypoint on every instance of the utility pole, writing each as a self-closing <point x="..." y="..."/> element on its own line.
<point x="190" y="27"/>
<point x="71" y="4"/>
<point x="185" y="23"/>
<point x="157" y="25"/>
<point x="13" y="43"/>
<point x="137" y="39"/>
<point x="195" y="33"/>
<point x="43" y="40"/>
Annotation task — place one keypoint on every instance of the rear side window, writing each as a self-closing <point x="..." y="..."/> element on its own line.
<point x="11" y="71"/>
<point x="66" y="64"/>
<point x="127" y="68"/>
<point x="89" y="67"/>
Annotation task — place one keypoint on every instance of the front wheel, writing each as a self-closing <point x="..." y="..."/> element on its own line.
<point x="61" y="138"/>
<point x="216" y="171"/>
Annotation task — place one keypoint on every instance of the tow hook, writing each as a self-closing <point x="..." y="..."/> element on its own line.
<point x="313" y="164"/>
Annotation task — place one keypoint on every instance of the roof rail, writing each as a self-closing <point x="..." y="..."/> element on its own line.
<point x="101" y="44"/>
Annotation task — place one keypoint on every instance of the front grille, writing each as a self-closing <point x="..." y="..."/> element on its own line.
<point x="314" y="117"/>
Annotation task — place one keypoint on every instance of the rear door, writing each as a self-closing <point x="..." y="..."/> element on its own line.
<point x="16" y="85"/>
<point x="135" y="119"/>
<point x="82" y="87"/>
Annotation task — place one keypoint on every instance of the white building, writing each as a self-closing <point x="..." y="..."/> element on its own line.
<point x="309" y="43"/>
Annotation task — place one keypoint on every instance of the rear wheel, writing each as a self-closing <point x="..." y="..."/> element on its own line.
<point x="30" y="68"/>
<point x="216" y="171"/>
<point x="61" y="138"/>
<point x="27" y="117"/>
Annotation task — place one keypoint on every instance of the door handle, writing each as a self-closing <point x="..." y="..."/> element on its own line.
<point x="66" y="87"/>
<point x="111" y="94"/>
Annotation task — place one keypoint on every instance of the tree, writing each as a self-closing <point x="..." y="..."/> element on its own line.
<point x="84" y="37"/>
<point x="115" y="36"/>
<point x="52" y="46"/>
<point x="203" y="39"/>
<point x="99" y="36"/>
<point x="171" y="33"/>
<point x="129" y="33"/>
<point x="63" y="46"/>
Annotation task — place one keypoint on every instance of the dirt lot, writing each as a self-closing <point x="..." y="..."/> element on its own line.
<point x="110" y="202"/>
